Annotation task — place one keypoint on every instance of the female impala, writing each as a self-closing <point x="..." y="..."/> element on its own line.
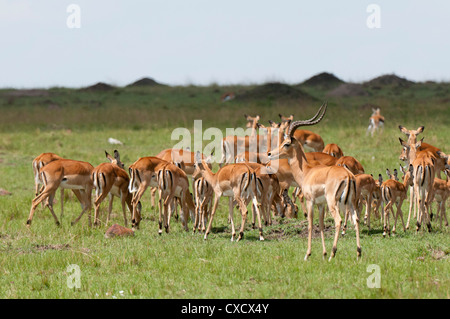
<point x="39" y="162"/>
<point x="173" y="185"/>
<point x="333" y="150"/>
<point x="142" y="175"/>
<point x="111" y="179"/>
<point x="394" y="192"/>
<point x="376" y="122"/>
<point x="333" y="185"/>
<point x="237" y="181"/>
<point x="67" y="174"/>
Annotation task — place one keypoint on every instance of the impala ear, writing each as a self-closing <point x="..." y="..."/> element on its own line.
<point x="109" y="157"/>
<point x="380" y="178"/>
<point x="420" y="129"/>
<point x="419" y="143"/>
<point x="403" y="130"/>
<point x="403" y="143"/>
<point x="198" y="157"/>
<point x="117" y="155"/>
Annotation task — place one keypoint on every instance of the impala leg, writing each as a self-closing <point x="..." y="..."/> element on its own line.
<point x="244" y="213"/>
<point x="136" y="215"/>
<point x="411" y="206"/>
<point x="124" y="208"/>
<point x="110" y="207"/>
<point x="334" y="210"/>
<point x="258" y="215"/>
<point x="231" y="217"/>
<point x="160" y="217"/>
<point x="85" y="201"/>
<point x="368" y="209"/>
<point x="399" y="210"/>
<point x="39" y="199"/>
<point x="97" y="203"/>
<point x="386" y="219"/>
<point x="153" y="191"/>
<point x="197" y="216"/>
<point x="216" y="202"/>
<point x="310" y="216"/>
<point x="50" y="207"/>
<point x="62" y="203"/>
<point x="355" y="219"/>
<point x="443" y="213"/>
<point x="321" y="225"/>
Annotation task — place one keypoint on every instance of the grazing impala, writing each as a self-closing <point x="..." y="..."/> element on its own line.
<point x="394" y="192"/>
<point x="237" y="181"/>
<point x="173" y="184"/>
<point x="111" y="179"/>
<point x="203" y="194"/>
<point x="142" y="175"/>
<point x="351" y="163"/>
<point x="183" y="158"/>
<point x="333" y="150"/>
<point x="333" y="185"/>
<point x="39" y="162"/>
<point x="365" y="189"/>
<point x="376" y="122"/>
<point x="67" y="174"/>
<point x="441" y="192"/>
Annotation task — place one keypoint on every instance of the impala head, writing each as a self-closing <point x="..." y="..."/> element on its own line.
<point x="115" y="159"/>
<point x="409" y="150"/>
<point x="393" y="176"/>
<point x="252" y="121"/>
<point x="286" y="118"/>
<point x="411" y="134"/>
<point x="408" y="176"/>
<point x="380" y="179"/>
<point x="375" y="111"/>
<point x="287" y="148"/>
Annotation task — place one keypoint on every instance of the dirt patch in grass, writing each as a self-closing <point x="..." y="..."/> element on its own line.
<point x="283" y="229"/>
<point x="39" y="247"/>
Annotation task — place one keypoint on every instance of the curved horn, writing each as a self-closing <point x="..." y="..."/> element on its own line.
<point x="312" y="121"/>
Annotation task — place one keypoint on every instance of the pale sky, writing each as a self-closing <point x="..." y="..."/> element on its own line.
<point x="225" y="42"/>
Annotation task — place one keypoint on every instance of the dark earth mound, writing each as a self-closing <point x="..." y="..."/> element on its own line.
<point x="99" y="87"/>
<point x="144" y="82"/>
<point x="323" y="80"/>
<point x="274" y="91"/>
<point x="390" y="80"/>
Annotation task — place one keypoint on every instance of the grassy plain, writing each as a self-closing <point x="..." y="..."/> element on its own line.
<point x="76" y="124"/>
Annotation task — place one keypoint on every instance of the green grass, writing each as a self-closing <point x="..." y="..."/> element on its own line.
<point x="33" y="262"/>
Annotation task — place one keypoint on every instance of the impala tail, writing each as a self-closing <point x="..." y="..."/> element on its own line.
<point x="135" y="180"/>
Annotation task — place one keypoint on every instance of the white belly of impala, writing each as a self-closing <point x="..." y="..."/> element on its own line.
<point x="228" y="193"/>
<point x="115" y="191"/>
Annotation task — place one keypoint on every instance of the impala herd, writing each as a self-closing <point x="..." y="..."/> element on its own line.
<point x="258" y="169"/>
